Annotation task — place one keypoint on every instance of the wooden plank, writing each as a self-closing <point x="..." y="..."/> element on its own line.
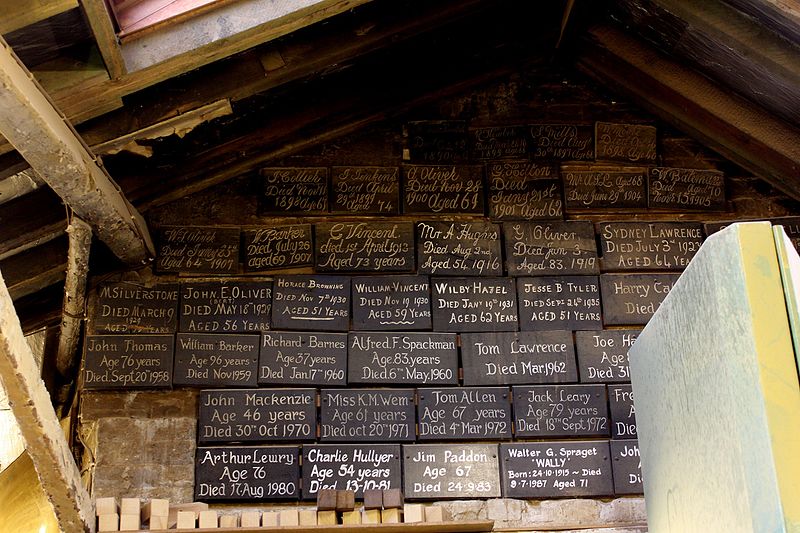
<point x="780" y="16"/>
<point x="31" y="220"/>
<point x="466" y="526"/>
<point x="35" y="269"/>
<point x="21" y="13"/>
<point x="42" y="135"/>
<point x="44" y="437"/>
<point x="721" y="348"/>
<point x="734" y="127"/>
<point x="80" y="243"/>
<point x="103" y="29"/>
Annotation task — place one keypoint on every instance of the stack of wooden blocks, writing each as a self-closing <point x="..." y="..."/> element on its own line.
<point x="333" y="507"/>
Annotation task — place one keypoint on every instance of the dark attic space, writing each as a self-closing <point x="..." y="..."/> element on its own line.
<point x="365" y="264"/>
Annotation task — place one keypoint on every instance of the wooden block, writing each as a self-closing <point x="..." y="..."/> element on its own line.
<point x="327" y="518"/>
<point x="159" y="522"/>
<point x="371" y="516"/>
<point x="229" y="520"/>
<point x="186" y="520"/>
<point x="412" y="513"/>
<point x="251" y="519"/>
<point x="326" y="500"/>
<point x="351" y="517"/>
<point x="129" y="506"/>
<point x="195" y="507"/>
<point x="270" y="519"/>
<point x="208" y="519"/>
<point x="345" y="500"/>
<point x="155" y="507"/>
<point x="130" y="522"/>
<point x="105" y="506"/>
<point x="434" y="513"/>
<point x="393" y="499"/>
<point x="288" y="517"/>
<point x="308" y="517"/>
<point x="390" y="516"/>
<point x="373" y="499"/>
<point x="108" y="522"/>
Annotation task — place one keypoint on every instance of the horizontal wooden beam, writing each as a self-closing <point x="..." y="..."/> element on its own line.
<point x="780" y="16"/>
<point x="46" y="140"/>
<point x="34" y="269"/>
<point x="736" y="128"/>
<point x="40" y="428"/>
<point x="20" y="13"/>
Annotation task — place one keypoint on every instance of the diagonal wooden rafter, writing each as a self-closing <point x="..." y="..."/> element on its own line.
<point x="40" y="428"/>
<point x="48" y="142"/>
<point x="736" y="128"/>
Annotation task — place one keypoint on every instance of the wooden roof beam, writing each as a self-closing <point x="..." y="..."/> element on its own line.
<point x="48" y="142"/>
<point x="736" y="128"/>
<point x="40" y="428"/>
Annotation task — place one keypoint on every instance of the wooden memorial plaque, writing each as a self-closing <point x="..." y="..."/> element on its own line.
<point x="225" y="306"/>
<point x="550" y="248"/>
<point x="367" y="415"/>
<point x="604" y="187"/>
<point x="544" y="470"/>
<point x="447" y="471"/>
<point x="364" y="247"/>
<point x="440" y="189"/>
<point x="216" y="360"/>
<point x="546" y="411"/>
<point x="356" y="467"/>
<point x="562" y="142"/>
<point x="124" y="307"/>
<point x="382" y="303"/>
<point x="294" y="190"/>
<point x="627" y="464"/>
<point x="198" y="250"/>
<point x="648" y="245"/>
<point x="686" y="189"/>
<point x="464" y="413"/>
<point x="523" y="190"/>
<point x="603" y="355"/>
<point x="402" y="358"/>
<point x="631" y="299"/>
<point x="474" y="304"/>
<point x="518" y="358"/>
<point x="274" y="247"/>
<point x="292" y="358"/>
<point x="365" y="190"/>
<point x="257" y="415"/>
<point x="128" y="361"/>
<point x="499" y="142"/>
<point x="436" y="142"/>
<point x="559" y="302"/>
<point x="634" y="143"/>
<point x="247" y="473"/>
<point x="320" y="303"/>
<point x="459" y="249"/>
<point x="623" y="412"/>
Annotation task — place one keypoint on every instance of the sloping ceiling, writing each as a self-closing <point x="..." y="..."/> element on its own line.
<point x="725" y="71"/>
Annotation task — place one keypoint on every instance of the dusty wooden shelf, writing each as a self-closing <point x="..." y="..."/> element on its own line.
<point x="423" y="527"/>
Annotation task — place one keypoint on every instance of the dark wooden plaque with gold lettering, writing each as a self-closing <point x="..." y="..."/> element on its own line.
<point x="633" y="143"/>
<point x="524" y="190"/>
<point x="365" y="190"/>
<point x="442" y="189"/>
<point x="294" y="190"/>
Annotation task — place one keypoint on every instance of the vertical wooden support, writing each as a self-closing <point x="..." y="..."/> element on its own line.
<point x="103" y="29"/>
<point x="80" y="243"/>
<point x="44" y="438"/>
<point x="717" y="396"/>
<point x="42" y="135"/>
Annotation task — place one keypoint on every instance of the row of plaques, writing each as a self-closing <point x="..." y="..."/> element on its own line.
<point x="516" y="189"/>
<point x="424" y="414"/>
<point x="446" y="248"/>
<point x="382" y="303"/>
<point x="357" y="358"/>
<point x="450" y="141"/>
<point x="423" y="471"/>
